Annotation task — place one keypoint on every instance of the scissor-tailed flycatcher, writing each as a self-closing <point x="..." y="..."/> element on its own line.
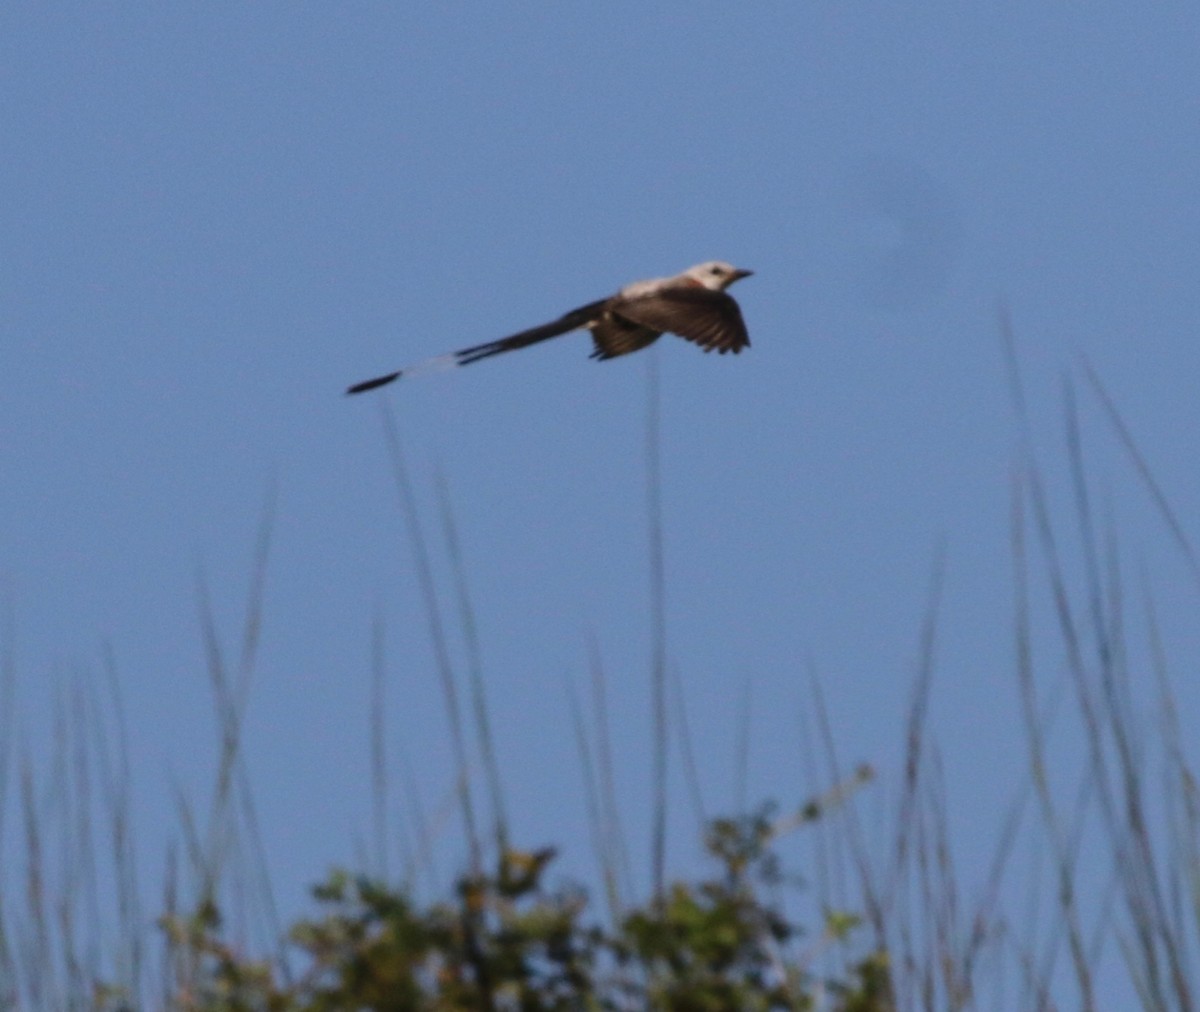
<point x="692" y="304"/>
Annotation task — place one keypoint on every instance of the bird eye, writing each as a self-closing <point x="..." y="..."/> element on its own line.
<point x="715" y="270"/>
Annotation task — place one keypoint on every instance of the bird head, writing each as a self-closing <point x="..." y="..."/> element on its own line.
<point x="716" y="274"/>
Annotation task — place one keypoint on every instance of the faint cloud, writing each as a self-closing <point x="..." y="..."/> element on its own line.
<point x="901" y="233"/>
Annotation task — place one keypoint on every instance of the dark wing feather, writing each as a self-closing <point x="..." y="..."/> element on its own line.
<point x="614" y="335"/>
<point x="710" y="319"/>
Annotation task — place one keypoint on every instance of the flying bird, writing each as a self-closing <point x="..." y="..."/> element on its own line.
<point x="693" y="305"/>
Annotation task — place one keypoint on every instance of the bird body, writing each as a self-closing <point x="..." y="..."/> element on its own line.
<point x="693" y="305"/>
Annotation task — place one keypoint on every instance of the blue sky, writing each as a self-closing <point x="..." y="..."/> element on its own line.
<point x="216" y="218"/>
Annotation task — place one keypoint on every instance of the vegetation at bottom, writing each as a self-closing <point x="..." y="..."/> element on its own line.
<point x="507" y="941"/>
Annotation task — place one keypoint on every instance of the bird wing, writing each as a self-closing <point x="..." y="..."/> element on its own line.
<point x="573" y="320"/>
<point x="710" y="319"/>
<point x="614" y="335"/>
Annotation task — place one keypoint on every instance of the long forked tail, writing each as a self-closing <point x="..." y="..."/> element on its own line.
<point x="573" y="320"/>
<point x="371" y="384"/>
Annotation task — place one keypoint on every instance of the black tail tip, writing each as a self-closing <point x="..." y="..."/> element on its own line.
<point x="372" y="384"/>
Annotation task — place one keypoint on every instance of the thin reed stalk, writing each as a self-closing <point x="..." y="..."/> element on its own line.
<point x="610" y="811"/>
<point x="658" y="624"/>
<point x="433" y="617"/>
<point x="466" y="617"/>
<point x="379" y="777"/>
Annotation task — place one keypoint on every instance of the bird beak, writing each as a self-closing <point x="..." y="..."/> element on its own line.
<point x="739" y="274"/>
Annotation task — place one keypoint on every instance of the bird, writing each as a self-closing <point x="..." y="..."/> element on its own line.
<point x="693" y="305"/>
